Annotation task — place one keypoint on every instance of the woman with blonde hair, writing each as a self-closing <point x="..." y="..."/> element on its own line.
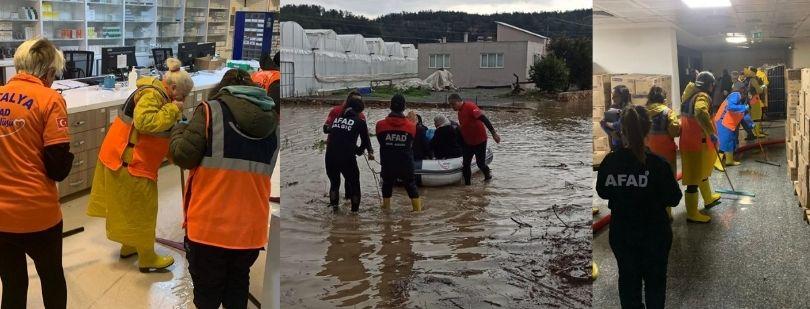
<point x="125" y="181"/>
<point x="35" y="147"/>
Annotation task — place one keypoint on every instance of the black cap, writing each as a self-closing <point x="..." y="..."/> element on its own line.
<point x="398" y="103"/>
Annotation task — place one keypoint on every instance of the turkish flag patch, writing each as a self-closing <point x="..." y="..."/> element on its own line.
<point x="61" y="123"/>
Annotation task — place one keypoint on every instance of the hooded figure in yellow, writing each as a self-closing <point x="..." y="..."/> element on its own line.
<point x="664" y="129"/>
<point x="125" y="181"/>
<point x="697" y="144"/>
<point x="758" y="80"/>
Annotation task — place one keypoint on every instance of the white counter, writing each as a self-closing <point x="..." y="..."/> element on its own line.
<point x="93" y="97"/>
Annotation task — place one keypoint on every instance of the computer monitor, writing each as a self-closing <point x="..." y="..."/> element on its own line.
<point x="206" y="49"/>
<point x="186" y="52"/>
<point x="117" y="60"/>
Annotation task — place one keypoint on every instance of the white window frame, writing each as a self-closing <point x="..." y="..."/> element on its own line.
<point x="487" y="58"/>
<point x="433" y="61"/>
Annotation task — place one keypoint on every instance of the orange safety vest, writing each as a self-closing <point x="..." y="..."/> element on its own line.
<point x="692" y="135"/>
<point x="227" y="198"/>
<point x="147" y="154"/>
<point x="658" y="140"/>
<point x="730" y="119"/>
<point x="265" y="78"/>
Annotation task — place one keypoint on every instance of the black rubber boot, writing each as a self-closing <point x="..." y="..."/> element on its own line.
<point x="334" y="198"/>
<point x="355" y="203"/>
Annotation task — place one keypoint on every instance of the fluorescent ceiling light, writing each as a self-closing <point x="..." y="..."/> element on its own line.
<point x="701" y="4"/>
<point x="736" y="39"/>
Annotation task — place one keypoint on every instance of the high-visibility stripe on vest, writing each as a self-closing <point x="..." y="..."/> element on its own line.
<point x="658" y="140"/>
<point x="147" y="154"/>
<point x="227" y="196"/>
<point x="692" y="137"/>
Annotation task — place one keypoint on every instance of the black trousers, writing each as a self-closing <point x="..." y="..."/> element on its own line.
<point x="642" y="261"/>
<point x="220" y="276"/>
<point x="45" y="248"/>
<point x="337" y="165"/>
<point x="402" y="171"/>
<point x="480" y="153"/>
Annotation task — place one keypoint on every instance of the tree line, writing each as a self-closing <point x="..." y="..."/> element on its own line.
<point x="568" y="62"/>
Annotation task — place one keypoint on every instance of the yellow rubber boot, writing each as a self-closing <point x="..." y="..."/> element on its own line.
<point x="149" y="261"/>
<point x="718" y="164"/>
<point x="729" y="156"/>
<point x="692" y="213"/>
<point x="128" y="251"/>
<point x="417" y="204"/>
<point x="594" y="271"/>
<point x="758" y="131"/>
<point x="710" y="199"/>
<point x="386" y="203"/>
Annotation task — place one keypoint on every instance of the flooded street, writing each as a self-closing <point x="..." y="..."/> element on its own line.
<point x="519" y="241"/>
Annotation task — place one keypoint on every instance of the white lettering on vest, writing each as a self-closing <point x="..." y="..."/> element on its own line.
<point x="624" y="180"/>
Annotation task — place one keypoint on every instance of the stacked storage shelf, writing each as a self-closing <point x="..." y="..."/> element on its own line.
<point x="146" y="24"/>
<point x="776" y="92"/>
<point x="169" y="23"/>
<point x="19" y="21"/>
<point x="195" y="21"/>
<point x="139" y="27"/>
<point x="63" y="21"/>
<point x="801" y="137"/>
<point x="218" y="19"/>
<point x="793" y="87"/>
<point x="105" y="24"/>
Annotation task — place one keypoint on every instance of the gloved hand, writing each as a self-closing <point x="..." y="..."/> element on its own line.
<point x="371" y="156"/>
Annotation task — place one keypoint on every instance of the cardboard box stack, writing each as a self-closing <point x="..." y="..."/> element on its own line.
<point x="601" y="101"/>
<point x="639" y="86"/>
<point x="793" y="87"/>
<point x="800" y="138"/>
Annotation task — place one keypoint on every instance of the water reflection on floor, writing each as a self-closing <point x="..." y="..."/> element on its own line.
<point x="522" y="240"/>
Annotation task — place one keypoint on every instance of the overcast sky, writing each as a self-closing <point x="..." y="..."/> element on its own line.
<point x="374" y="8"/>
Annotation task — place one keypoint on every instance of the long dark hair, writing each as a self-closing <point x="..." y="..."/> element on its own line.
<point x="656" y="95"/>
<point x="623" y="94"/>
<point x="233" y="77"/>
<point x="635" y="126"/>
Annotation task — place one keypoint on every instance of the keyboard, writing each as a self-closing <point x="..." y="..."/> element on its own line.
<point x="92" y="81"/>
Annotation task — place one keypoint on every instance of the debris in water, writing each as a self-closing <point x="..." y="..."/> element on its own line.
<point x="520" y="224"/>
<point x="554" y="208"/>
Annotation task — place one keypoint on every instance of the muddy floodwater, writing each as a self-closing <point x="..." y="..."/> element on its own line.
<point x="519" y="241"/>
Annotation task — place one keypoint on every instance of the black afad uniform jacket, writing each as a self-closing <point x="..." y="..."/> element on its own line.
<point x="637" y="193"/>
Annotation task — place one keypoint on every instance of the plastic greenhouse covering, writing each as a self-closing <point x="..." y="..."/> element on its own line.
<point x="317" y="60"/>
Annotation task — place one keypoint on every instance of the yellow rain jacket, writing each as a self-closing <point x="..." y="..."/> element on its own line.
<point x="658" y="142"/>
<point x="763" y="89"/>
<point x="130" y="203"/>
<point x="698" y="165"/>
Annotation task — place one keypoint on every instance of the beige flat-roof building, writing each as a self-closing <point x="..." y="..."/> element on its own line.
<point x="485" y="63"/>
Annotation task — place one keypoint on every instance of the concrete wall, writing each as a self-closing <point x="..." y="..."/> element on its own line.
<point x="508" y="34"/>
<point x="800" y="54"/>
<point x="465" y="61"/>
<point x="648" y="50"/>
<point x="736" y="59"/>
